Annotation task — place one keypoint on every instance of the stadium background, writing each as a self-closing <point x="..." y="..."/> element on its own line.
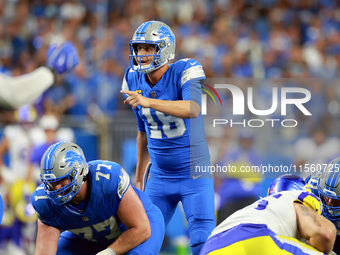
<point x="272" y="42"/>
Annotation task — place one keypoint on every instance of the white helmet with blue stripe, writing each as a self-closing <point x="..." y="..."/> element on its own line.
<point x="329" y="188"/>
<point x="161" y="36"/>
<point x="63" y="160"/>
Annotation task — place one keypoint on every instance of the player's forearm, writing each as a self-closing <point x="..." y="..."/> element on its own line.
<point x="44" y="250"/>
<point x="317" y="230"/>
<point x="47" y="240"/>
<point x="322" y="244"/>
<point x="142" y="158"/>
<point x="324" y="239"/>
<point x="130" y="239"/>
<point x="24" y="89"/>
<point x="184" y="109"/>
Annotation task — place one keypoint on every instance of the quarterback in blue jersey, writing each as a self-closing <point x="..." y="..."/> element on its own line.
<point x="91" y="208"/>
<point x="166" y="99"/>
<point x="325" y="184"/>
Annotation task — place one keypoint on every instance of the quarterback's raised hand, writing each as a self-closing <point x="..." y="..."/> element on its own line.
<point x="136" y="99"/>
<point x="62" y="58"/>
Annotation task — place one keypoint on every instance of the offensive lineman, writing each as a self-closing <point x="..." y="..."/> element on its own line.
<point x="91" y="208"/>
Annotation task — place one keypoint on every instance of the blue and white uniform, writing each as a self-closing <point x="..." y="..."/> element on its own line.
<point x="176" y="147"/>
<point x="92" y="226"/>
<point x="268" y="226"/>
<point x="169" y="138"/>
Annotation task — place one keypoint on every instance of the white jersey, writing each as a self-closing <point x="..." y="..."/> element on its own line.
<point x="19" y="145"/>
<point x="276" y="211"/>
<point x="24" y="89"/>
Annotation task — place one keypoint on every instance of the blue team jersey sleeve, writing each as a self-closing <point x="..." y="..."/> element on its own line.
<point x="111" y="178"/>
<point x="126" y="81"/>
<point x="192" y="79"/>
<point x="42" y="206"/>
<point x="128" y="85"/>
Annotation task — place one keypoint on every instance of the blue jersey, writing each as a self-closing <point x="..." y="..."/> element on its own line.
<point x="107" y="184"/>
<point x="172" y="144"/>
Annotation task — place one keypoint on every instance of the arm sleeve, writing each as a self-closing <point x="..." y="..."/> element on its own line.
<point x="191" y="81"/>
<point x="24" y="89"/>
<point x="191" y="91"/>
<point x="125" y="85"/>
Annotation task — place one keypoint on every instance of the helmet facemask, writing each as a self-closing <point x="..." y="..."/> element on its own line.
<point x="331" y="212"/>
<point x="329" y="189"/>
<point x="136" y="60"/>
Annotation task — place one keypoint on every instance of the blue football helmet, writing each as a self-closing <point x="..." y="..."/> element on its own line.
<point x="158" y="34"/>
<point x="329" y="188"/>
<point x="287" y="182"/>
<point x="62" y="58"/>
<point x="63" y="160"/>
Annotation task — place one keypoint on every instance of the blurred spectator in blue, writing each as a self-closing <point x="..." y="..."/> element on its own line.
<point x="315" y="149"/>
<point x="58" y="99"/>
<point x="82" y="88"/>
<point x="235" y="190"/>
<point x="108" y="82"/>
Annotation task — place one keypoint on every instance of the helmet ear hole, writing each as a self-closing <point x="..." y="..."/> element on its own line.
<point x="160" y="46"/>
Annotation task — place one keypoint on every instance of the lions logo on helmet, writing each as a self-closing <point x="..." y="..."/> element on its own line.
<point x="158" y="34"/>
<point x="288" y="182"/>
<point x="63" y="160"/>
<point x="329" y="191"/>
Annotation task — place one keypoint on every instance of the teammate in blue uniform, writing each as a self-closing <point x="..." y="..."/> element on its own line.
<point x="166" y="99"/>
<point x="91" y="208"/>
<point x="287" y="221"/>
<point x="325" y="184"/>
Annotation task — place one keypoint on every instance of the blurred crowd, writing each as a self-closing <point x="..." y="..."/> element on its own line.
<point x="231" y="38"/>
<point x="259" y="43"/>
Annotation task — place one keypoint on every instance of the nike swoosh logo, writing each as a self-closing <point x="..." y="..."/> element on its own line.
<point x="195" y="177"/>
<point x="193" y="63"/>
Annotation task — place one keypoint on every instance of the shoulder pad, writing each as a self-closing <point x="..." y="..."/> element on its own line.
<point x="310" y="200"/>
<point x="124" y="183"/>
<point x="191" y="69"/>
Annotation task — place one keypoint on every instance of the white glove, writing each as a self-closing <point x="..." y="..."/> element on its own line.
<point x="107" y="251"/>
